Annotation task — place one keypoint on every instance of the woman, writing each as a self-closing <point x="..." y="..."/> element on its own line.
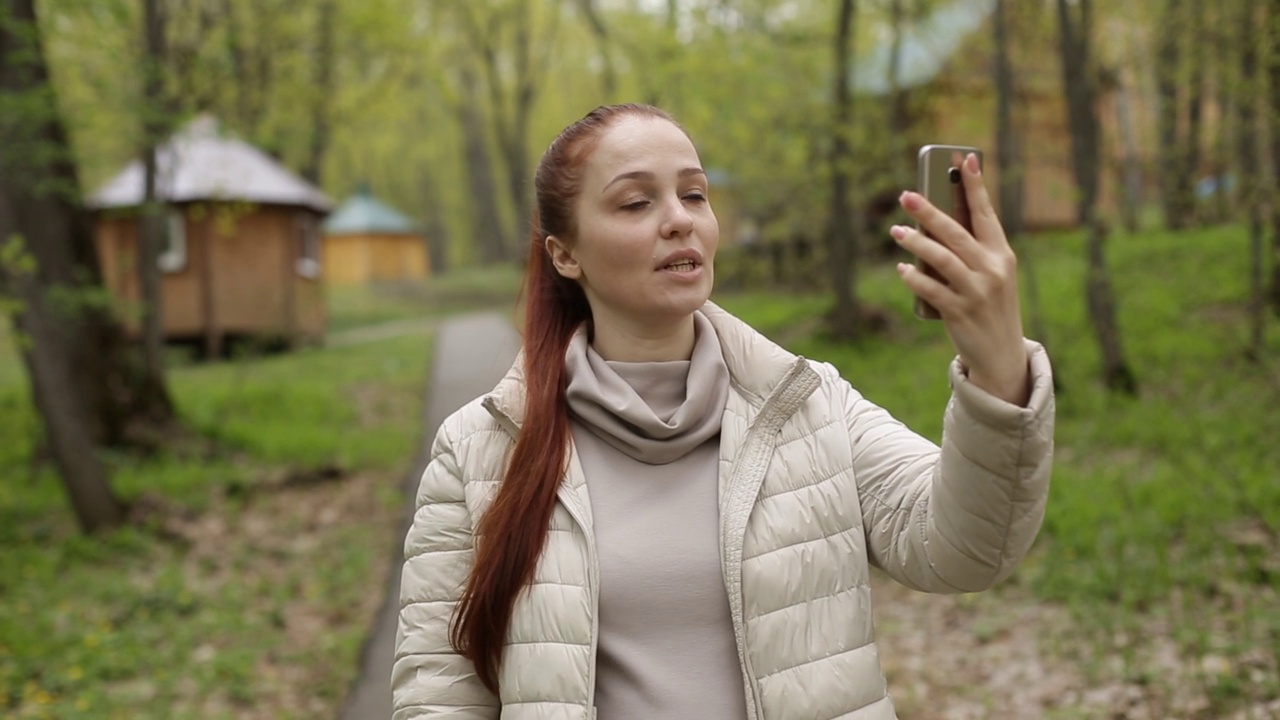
<point x="659" y="513"/>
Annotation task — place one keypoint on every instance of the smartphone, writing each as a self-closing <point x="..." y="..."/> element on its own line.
<point x="940" y="183"/>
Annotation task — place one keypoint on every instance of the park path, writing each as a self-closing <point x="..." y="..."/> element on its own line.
<point x="472" y="353"/>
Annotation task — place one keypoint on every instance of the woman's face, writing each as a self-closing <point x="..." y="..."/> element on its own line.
<point x="646" y="235"/>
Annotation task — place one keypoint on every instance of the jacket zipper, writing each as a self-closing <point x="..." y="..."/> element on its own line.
<point x="571" y="505"/>
<point x="799" y="383"/>
<point x="593" y="586"/>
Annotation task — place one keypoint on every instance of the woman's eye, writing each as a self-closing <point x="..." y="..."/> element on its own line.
<point x="696" y="196"/>
<point x="637" y="205"/>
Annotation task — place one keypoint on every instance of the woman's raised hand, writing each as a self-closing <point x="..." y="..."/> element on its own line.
<point x="978" y="301"/>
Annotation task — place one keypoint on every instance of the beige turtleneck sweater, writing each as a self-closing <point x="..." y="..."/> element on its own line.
<point x="648" y="438"/>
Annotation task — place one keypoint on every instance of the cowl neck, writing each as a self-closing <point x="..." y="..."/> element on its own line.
<point x="654" y="412"/>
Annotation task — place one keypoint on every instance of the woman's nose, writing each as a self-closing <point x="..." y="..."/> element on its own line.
<point x="678" y="220"/>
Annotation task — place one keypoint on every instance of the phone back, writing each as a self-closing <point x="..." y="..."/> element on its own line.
<point x="940" y="179"/>
<point x="940" y="184"/>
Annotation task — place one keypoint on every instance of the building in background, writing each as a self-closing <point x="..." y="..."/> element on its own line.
<point x="366" y="240"/>
<point x="242" y="254"/>
<point x="944" y="63"/>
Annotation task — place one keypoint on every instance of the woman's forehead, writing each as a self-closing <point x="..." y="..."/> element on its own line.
<point x="640" y="143"/>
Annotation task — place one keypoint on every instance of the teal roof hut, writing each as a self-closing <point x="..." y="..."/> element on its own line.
<point x="366" y="240"/>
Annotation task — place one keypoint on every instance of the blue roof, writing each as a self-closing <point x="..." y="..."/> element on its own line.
<point x="363" y="213"/>
<point x="925" y="49"/>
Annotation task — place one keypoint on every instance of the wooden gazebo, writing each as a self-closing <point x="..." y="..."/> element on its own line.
<point x="242" y="255"/>
<point x="366" y="240"/>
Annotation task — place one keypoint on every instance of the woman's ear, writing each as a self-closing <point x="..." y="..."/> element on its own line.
<point x="562" y="258"/>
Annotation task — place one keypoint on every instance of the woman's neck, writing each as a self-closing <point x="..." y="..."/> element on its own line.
<point x="628" y="342"/>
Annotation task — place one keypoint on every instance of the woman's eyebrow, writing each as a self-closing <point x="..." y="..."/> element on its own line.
<point x="646" y="175"/>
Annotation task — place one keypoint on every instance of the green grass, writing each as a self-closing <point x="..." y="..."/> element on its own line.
<point x="265" y="579"/>
<point x="464" y="289"/>
<point x="1165" y="506"/>
<point x="136" y="624"/>
<point x="108" y="626"/>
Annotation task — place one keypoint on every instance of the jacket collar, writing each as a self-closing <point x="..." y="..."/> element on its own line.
<point x="757" y="367"/>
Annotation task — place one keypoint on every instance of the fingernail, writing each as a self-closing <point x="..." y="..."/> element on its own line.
<point x="909" y="200"/>
<point x="902" y="268"/>
<point x="898" y="232"/>
<point x="972" y="162"/>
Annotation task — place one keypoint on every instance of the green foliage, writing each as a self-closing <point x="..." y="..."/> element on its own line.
<point x="749" y="80"/>
<point x="15" y="264"/>
<point x="130" y="624"/>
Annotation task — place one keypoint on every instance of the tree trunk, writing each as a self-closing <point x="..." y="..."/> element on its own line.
<point x="1168" y="58"/>
<point x="63" y="414"/>
<point x="1080" y="82"/>
<point x="1009" y="160"/>
<point x="249" y="41"/>
<point x="512" y="116"/>
<point x="152" y="224"/>
<point x="842" y="240"/>
<point x="1224" y="151"/>
<point x="1117" y="374"/>
<point x="36" y="191"/>
<point x="126" y="405"/>
<point x="899" y="118"/>
<point x="320" y="93"/>
<point x="486" y="220"/>
<point x="239" y="65"/>
<point x="434" y="226"/>
<point x="1191" y="156"/>
<point x="1250" y="170"/>
<point x="609" y="74"/>
<point x="519" y="177"/>
<point x="1273" y="45"/>
<point x="1131" y="180"/>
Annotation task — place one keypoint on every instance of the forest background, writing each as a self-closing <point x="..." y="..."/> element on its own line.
<point x="243" y="511"/>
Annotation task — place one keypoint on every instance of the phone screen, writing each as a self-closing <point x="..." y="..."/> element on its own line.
<point x="940" y="184"/>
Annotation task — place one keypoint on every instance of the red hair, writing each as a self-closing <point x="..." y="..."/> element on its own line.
<point x="511" y="534"/>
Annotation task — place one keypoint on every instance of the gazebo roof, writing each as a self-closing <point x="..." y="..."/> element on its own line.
<point x="363" y="213"/>
<point x="200" y="163"/>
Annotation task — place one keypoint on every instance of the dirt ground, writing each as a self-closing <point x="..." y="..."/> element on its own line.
<point x="292" y="522"/>
<point x="1003" y="654"/>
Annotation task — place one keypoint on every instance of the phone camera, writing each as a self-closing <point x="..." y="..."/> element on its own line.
<point x="953" y="174"/>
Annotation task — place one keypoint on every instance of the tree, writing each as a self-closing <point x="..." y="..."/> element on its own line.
<point x="478" y="167"/>
<point x="1180" y="23"/>
<point x="504" y="55"/>
<point x="1080" y="81"/>
<point x="595" y="21"/>
<point x="1273" y="46"/>
<point x="321" y="91"/>
<point x="1250" y="167"/>
<point x="34" y="196"/>
<point x="151" y="226"/>
<point x="1009" y="160"/>
<point x="126" y="405"/>
<point x="433" y="224"/>
<point x="842" y="238"/>
<point x="511" y="99"/>
<point x="63" y="414"/>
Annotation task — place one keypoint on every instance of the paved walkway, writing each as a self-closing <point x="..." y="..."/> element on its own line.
<point x="472" y="353"/>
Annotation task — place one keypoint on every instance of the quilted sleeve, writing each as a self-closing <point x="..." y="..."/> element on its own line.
<point x="429" y="679"/>
<point x="957" y="518"/>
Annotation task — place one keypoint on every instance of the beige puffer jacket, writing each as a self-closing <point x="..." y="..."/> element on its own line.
<point x="816" y="484"/>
